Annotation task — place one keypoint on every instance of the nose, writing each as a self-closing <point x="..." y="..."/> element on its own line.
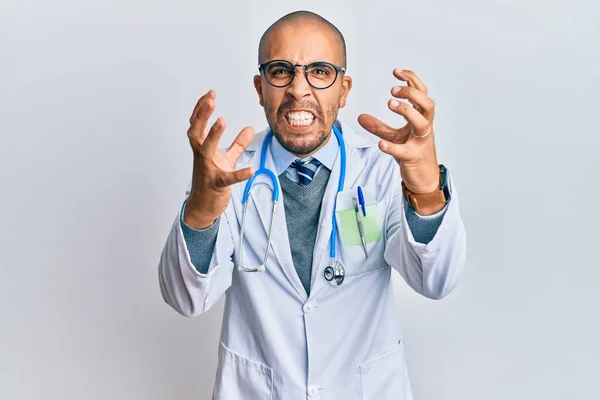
<point x="299" y="88"/>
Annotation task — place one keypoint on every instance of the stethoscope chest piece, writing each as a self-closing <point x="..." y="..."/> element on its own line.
<point x="335" y="272"/>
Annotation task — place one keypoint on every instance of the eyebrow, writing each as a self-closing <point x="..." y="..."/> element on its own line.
<point x="281" y="61"/>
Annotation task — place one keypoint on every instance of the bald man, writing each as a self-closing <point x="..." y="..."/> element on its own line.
<point x="310" y="310"/>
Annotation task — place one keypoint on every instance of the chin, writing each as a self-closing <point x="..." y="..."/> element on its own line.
<point x="300" y="140"/>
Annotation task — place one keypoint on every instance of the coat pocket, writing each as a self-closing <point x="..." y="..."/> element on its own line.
<point x="241" y="378"/>
<point x="347" y="219"/>
<point x="385" y="377"/>
<point x="350" y="247"/>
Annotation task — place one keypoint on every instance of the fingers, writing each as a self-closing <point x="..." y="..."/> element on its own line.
<point x="226" y="179"/>
<point x="211" y="143"/>
<point x="412" y="116"/>
<point x="411" y="79"/>
<point x="240" y="144"/>
<point x="401" y="152"/>
<point x="421" y="102"/>
<point x="377" y="127"/>
<point x="199" y="118"/>
<point x="201" y="106"/>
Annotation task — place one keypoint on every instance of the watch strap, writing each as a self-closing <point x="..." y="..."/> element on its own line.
<point x="422" y="200"/>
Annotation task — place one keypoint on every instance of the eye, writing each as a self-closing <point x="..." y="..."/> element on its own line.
<point x="280" y="71"/>
<point x="321" y="70"/>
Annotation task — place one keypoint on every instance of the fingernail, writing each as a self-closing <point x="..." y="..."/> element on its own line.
<point x="383" y="145"/>
<point x="395" y="103"/>
<point x="397" y="89"/>
<point x="399" y="71"/>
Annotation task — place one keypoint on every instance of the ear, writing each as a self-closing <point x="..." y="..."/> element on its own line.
<point x="258" y="87"/>
<point x="346" y="86"/>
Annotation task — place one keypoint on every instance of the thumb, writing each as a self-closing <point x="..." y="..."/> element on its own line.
<point x="233" y="177"/>
<point x="376" y="127"/>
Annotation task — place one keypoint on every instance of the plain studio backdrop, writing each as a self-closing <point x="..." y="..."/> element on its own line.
<point x="95" y="98"/>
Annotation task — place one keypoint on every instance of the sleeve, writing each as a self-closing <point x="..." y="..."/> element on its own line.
<point x="189" y="291"/>
<point x="200" y="242"/>
<point x="433" y="268"/>
<point x="422" y="227"/>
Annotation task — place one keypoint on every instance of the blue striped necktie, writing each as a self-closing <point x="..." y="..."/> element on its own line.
<point x="306" y="170"/>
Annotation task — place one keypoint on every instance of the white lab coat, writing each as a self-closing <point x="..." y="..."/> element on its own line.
<point x="343" y="342"/>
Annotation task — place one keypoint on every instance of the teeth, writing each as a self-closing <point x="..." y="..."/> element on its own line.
<point x="300" y="118"/>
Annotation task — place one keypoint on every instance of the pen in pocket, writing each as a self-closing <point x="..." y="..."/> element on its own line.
<point x="361" y="230"/>
<point x="361" y="201"/>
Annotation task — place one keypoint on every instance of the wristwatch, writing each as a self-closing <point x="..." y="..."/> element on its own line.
<point x="437" y="197"/>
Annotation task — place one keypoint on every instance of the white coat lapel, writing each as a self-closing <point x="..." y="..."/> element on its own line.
<point x="260" y="201"/>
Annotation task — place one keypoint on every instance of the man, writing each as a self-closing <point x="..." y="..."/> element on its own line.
<point x="299" y="329"/>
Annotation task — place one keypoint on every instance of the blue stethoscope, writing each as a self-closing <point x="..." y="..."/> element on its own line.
<point x="335" y="270"/>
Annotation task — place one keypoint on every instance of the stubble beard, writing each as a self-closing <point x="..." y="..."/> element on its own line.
<point x="299" y="144"/>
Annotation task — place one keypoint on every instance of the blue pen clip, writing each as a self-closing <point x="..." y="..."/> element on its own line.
<point x="361" y="201"/>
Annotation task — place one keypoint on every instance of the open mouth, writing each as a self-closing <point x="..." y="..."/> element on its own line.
<point x="300" y="119"/>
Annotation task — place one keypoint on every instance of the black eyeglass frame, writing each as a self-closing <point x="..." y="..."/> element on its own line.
<point x="262" y="68"/>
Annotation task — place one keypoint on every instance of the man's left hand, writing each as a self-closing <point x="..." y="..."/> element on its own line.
<point x="416" y="155"/>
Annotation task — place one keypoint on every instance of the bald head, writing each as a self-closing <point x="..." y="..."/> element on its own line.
<point x="300" y="18"/>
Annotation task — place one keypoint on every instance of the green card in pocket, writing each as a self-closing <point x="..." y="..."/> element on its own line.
<point x="348" y="226"/>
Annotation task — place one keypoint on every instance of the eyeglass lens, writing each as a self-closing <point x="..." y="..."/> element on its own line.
<point x="320" y="75"/>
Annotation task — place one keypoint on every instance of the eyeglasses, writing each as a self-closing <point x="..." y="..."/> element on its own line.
<point x="319" y="74"/>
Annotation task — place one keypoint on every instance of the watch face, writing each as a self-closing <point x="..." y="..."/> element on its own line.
<point x="444" y="181"/>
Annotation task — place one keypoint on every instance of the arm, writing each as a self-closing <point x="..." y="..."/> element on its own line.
<point x="193" y="274"/>
<point x="433" y="268"/>
<point x="192" y="290"/>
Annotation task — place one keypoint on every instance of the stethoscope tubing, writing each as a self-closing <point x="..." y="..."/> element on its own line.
<point x="275" y="197"/>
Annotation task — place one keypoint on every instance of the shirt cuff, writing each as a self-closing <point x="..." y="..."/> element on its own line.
<point x="199" y="242"/>
<point x="424" y="227"/>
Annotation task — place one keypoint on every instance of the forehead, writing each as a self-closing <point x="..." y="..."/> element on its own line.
<point x="303" y="43"/>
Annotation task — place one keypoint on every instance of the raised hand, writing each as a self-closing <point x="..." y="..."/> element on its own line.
<point x="412" y="145"/>
<point x="214" y="169"/>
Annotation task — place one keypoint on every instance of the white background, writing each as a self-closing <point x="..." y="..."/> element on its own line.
<point x="95" y="98"/>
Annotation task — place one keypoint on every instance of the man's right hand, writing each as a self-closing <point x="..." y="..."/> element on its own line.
<point x="213" y="168"/>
